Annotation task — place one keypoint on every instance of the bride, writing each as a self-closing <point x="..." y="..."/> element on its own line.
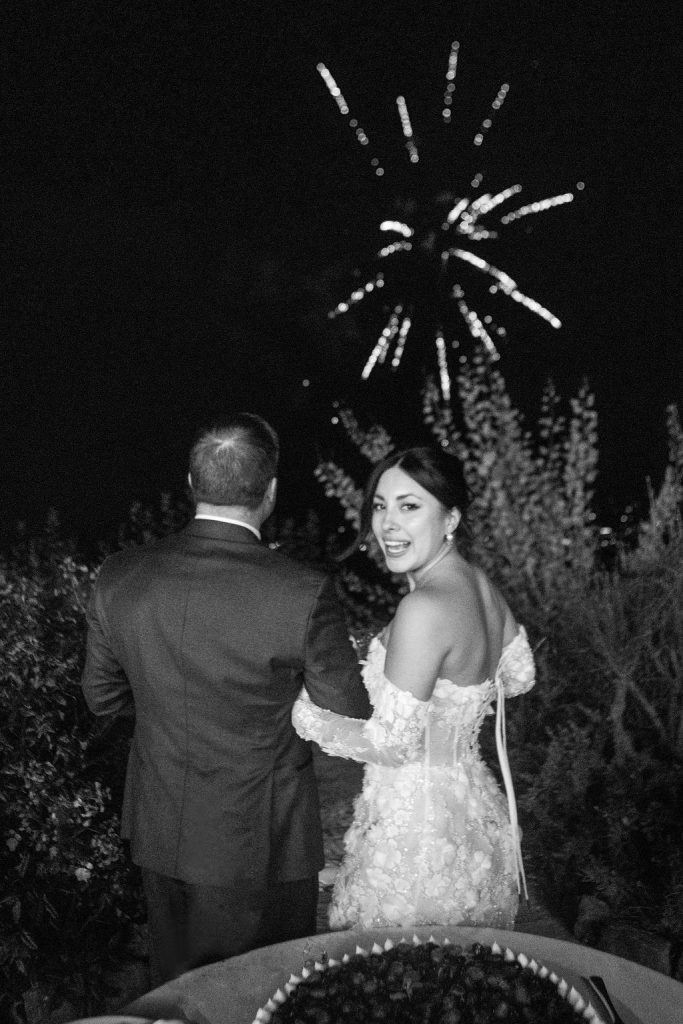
<point x="433" y="840"/>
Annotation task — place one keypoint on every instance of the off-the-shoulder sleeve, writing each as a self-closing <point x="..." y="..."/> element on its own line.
<point x="393" y="736"/>
<point x="516" y="670"/>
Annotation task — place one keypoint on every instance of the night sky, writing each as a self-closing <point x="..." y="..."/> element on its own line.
<point x="182" y="204"/>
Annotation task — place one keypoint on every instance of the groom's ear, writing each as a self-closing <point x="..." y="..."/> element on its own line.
<point x="271" y="492"/>
<point x="268" y="503"/>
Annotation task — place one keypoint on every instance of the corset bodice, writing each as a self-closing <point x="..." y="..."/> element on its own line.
<point x="454" y="713"/>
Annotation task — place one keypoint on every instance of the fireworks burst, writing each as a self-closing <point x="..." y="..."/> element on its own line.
<point x="420" y="274"/>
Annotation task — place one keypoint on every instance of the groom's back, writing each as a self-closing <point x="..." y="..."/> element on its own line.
<point x="216" y="626"/>
<point x="211" y="631"/>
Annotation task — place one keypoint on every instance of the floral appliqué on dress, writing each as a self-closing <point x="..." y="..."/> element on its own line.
<point x="433" y="839"/>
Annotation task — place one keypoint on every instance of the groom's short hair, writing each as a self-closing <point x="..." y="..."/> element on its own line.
<point x="232" y="463"/>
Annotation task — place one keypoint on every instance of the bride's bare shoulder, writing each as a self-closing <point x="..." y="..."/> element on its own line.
<point x="494" y="600"/>
<point x="418" y="608"/>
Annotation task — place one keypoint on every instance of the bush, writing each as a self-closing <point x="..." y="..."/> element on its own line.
<point x="619" y="659"/>
<point x="68" y="890"/>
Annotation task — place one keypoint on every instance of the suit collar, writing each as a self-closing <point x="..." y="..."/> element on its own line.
<point x="233" y="520"/>
<point x="214" y="529"/>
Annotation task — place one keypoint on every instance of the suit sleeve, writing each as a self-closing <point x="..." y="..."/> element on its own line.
<point x="105" y="686"/>
<point x="331" y="670"/>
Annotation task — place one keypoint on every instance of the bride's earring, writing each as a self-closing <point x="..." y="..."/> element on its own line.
<point x="449" y="537"/>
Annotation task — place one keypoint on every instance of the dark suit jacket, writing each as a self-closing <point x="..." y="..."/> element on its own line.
<point x="210" y="636"/>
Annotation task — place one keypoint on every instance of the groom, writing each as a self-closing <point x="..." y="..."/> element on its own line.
<point x="208" y="635"/>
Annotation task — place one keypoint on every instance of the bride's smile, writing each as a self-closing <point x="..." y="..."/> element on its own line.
<point x="395" y="547"/>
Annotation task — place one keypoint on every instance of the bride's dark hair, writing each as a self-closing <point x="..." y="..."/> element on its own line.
<point x="432" y="468"/>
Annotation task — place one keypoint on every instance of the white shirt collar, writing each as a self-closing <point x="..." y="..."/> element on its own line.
<point x="235" y="522"/>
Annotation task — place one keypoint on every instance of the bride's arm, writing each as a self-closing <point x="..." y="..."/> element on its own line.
<point x="391" y="737"/>
<point x="394" y="734"/>
<point x="421" y="635"/>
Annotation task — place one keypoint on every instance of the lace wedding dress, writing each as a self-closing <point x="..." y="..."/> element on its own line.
<point x="433" y="840"/>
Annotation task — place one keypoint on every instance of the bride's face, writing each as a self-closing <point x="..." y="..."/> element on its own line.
<point x="408" y="522"/>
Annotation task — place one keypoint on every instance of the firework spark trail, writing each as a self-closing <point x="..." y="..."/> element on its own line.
<point x="381" y="348"/>
<point x="393" y="247"/>
<point x="343" y="106"/>
<point x="398" y="226"/>
<point x="333" y="89"/>
<point x="454" y="214"/>
<point x="538" y="207"/>
<point x="474" y="325"/>
<point x="443" y="367"/>
<point x="407" y="129"/>
<point x="401" y="343"/>
<point x="487" y="202"/>
<point x="450" y="81"/>
<point x="357" y="296"/>
<point x="419" y="240"/>
<point x="507" y="285"/>
<point x="488" y="121"/>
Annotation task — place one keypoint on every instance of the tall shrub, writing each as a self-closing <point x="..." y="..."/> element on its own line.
<point x="623" y="646"/>
<point x="67" y="889"/>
